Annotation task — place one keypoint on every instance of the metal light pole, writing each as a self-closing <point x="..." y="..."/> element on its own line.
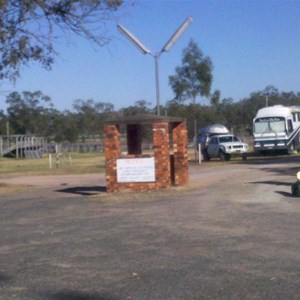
<point x="156" y="56"/>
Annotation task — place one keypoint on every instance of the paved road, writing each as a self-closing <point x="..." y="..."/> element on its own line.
<point x="232" y="234"/>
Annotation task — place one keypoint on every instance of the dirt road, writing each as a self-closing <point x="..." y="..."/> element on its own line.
<point x="233" y="233"/>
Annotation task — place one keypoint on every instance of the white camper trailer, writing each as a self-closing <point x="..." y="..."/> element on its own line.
<point x="277" y="128"/>
<point x="206" y="132"/>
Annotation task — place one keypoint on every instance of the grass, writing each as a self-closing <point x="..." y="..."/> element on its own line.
<point x="69" y="163"/>
<point x="73" y="163"/>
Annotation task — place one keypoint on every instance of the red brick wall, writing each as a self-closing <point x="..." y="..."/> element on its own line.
<point x="180" y="141"/>
<point x="112" y="144"/>
<point x="161" y="154"/>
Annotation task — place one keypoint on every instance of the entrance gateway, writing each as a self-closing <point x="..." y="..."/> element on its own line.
<point x="139" y="169"/>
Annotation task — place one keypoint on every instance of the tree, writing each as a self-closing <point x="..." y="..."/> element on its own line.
<point x="176" y="109"/>
<point x="65" y="127"/>
<point x="140" y="107"/>
<point x="91" y="115"/>
<point x="215" y="99"/>
<point x="29" y="112"/>
<point x="28" y="28"/>
<point x="3" y="123"/>
<point x="193" y="78"/>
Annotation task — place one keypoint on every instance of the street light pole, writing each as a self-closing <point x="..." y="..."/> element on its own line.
<point x="156" y="56"/>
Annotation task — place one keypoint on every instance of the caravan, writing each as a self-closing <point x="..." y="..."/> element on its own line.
<point x="277" y="128"/>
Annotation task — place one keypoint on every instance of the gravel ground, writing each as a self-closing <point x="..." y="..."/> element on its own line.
<point x="232" y="233"/>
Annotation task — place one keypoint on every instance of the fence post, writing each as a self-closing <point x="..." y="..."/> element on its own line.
<point x="200" y="154"/>
<point x="50" y="161"/>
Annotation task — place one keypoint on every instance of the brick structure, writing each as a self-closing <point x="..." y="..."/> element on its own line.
<point x="162" y="155"/>
<point x="180" y="142"/>
<point x="112" y="146"/>
<point x="168" y="168"/>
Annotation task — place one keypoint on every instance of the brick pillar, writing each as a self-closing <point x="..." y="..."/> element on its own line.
<point x="180" y="141"/>
<point x="161" y="154"/>
<point x="112" y="144"/>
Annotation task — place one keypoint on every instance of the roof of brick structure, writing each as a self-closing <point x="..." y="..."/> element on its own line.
<point x="146" y="119"/>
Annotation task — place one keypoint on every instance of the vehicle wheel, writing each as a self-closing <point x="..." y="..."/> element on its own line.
<point x="224" y="156"/>
<point x="263" y="152"/>
<point x="296" y="189"/>
<point x="244" y="156"/>
<point x="205" y="156"/>
<point x="291" y="149"/>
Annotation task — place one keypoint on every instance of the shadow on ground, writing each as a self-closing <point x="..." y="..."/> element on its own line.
<point x="76" y="295"/>
<point x="285" y="194"/>
<point x="290" y="170"/>
<point x="272" y="182"/>
<point x="84" y="190"/>
<point x="4" y="278"/>
<point x="276" y="183"/>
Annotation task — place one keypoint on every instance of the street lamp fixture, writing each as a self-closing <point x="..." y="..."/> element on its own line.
<point x="170" y="43"/>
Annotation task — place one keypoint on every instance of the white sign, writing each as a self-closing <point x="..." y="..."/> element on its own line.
<point x="136" y="170"/>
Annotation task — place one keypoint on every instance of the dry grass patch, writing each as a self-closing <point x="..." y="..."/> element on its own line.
<point x="74" y="163"/>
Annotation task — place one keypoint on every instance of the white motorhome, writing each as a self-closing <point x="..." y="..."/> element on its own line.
<point x="277" y="128"/>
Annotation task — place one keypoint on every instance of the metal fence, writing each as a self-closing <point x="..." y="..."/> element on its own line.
<point x="25" y="146"/>
<point x="21" y="145"/>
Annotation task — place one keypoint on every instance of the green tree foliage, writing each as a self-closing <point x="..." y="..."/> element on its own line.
<point x="91" y="115"/>
<point x="215" y="99"/>
<point x="267" y="97"/>
<point x="202" y="114"/>
<point x="29" y="113"/>
<point x="140" y="107"/>
<point x="194" y="77"/>
<point x="237" y="116"/>
<point x="33" y="112"/>
<point x="3" y="123"/>
<point x="65" y="127"/>
<point x="176" y="109"/>
<point x="28" y="28"/>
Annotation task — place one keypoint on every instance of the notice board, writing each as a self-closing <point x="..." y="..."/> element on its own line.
<point x="136" y="169"/>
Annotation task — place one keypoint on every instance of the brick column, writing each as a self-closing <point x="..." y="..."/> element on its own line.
<point x="161" y="154"/>
<point x="112" y="144"/>
<point x="180" y="141"/>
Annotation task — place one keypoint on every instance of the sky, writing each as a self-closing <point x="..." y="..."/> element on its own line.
<point x="252" y="44"/>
